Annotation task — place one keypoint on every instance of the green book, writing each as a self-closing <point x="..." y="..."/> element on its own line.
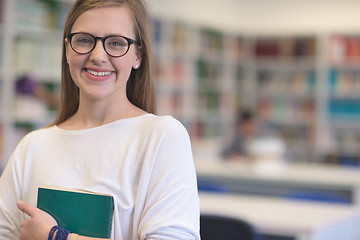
<point x="85" y="213"/>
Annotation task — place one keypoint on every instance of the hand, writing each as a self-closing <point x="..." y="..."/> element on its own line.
<point x="38" y="226"/>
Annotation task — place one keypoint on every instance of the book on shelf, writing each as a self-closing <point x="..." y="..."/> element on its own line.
<point x="179" y="37"/>
<point x="344" y="49"/>
<point x="345" y="84"/>
<point x="285" y="47"/>
<point x="236" y="48"/>
<point x="345" y="109"/>
<point x="157" y="31"/>
<point x="266" y="48"/>
<point x="304" y="47"/>
<point x="82" y="212"/>
<point x="40" y="15"/>
<point x="211" y="41"/>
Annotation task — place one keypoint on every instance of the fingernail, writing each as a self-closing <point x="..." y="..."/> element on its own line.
<point x="19" y="203"/>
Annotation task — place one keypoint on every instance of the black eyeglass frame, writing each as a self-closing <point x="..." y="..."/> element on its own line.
<point x="103" y="39"/>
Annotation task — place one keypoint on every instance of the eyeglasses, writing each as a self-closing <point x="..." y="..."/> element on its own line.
<point x="115" y="46"/>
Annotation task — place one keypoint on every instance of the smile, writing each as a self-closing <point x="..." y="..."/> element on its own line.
<point x="100" y="74"/>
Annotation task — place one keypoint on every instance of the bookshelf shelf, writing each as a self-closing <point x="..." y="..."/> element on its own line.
<point x="343" y="97"/>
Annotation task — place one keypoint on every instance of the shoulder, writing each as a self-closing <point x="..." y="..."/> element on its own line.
<point x="165" y="121"/>
<point x="165" y="124"/>
<point x="37" y="135"/>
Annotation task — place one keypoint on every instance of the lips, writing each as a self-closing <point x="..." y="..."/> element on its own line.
<point x="98" y="74"/>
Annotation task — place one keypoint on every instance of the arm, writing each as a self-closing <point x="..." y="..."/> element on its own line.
<point x="171" y="207"/>
<point x="10" y="192"/>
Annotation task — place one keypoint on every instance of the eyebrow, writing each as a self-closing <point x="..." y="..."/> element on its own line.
<point x="107" y="35"/>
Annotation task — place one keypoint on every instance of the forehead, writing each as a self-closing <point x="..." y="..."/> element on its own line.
<point x="102" y="21"/>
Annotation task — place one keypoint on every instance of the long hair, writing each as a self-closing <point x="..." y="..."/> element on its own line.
<point x="140" y="86"/>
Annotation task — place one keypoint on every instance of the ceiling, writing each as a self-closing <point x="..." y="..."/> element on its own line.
<point x="264" y="16"/>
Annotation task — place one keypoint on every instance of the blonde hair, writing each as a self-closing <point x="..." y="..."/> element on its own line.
<point x="140" y="86"/>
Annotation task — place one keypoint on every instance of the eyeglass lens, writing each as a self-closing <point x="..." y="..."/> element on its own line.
<point x="84" y="43"/>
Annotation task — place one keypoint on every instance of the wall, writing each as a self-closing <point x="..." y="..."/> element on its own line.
<point x="265" y="16"/>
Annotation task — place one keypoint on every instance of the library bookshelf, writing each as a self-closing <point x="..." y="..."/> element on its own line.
<point x="286" y="81"/>
<point x="30" y="47"/>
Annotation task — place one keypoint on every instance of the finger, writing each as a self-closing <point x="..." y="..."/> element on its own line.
<point x="26" y="208"/>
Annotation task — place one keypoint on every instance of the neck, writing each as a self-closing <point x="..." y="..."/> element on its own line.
<point x="94" y="113"/>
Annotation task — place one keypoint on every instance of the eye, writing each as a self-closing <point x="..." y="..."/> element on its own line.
<point x="116" y="42"/>
<point x="83" y="39"/>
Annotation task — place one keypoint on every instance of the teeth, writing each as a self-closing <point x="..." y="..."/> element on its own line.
<point x="98" y="73"/>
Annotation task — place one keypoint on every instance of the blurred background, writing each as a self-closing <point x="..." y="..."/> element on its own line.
<point x="294" y="65"/>
<point x="274" y="82"/>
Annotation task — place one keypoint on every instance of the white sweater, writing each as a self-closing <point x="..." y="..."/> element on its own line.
<point x="145" y="162"/>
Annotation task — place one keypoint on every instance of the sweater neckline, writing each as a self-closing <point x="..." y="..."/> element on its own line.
<point x="116" y="122"/>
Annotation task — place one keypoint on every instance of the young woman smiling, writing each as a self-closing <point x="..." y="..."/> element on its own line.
<point x="106" y="137"/>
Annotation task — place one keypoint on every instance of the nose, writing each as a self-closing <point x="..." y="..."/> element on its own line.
<point x="98" y="54"/>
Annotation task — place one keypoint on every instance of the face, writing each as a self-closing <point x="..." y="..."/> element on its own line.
<point x="98" y="75"/>
<point x="247" y="128"/>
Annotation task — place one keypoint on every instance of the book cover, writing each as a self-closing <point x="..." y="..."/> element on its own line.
<point x="85" y="213"/>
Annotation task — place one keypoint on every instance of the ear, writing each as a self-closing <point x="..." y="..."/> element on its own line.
<point x="138" y="58"/>
<point x="67" y="47"/>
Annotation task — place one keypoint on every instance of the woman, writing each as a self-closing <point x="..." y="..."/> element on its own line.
<point x="106" y="137"/>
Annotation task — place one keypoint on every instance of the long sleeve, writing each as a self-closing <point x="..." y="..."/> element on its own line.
<point x="171" y="208"/>
<point x="10" y="193"/>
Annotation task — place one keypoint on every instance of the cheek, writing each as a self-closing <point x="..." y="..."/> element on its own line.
<point x="123" y="69"/>
<point x="75" y="67"/>
<point x="76" y="61"/>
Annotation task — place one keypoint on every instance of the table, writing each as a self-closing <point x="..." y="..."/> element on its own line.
<point x="281" y="180"/>
<point x="278" y="218"/>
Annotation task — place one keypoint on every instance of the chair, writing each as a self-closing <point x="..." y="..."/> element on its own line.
<point x="220" y="227"/>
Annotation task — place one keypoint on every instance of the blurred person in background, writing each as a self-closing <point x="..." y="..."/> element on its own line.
<point x="252" y="137"/>
<point x="26" y="85"/>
